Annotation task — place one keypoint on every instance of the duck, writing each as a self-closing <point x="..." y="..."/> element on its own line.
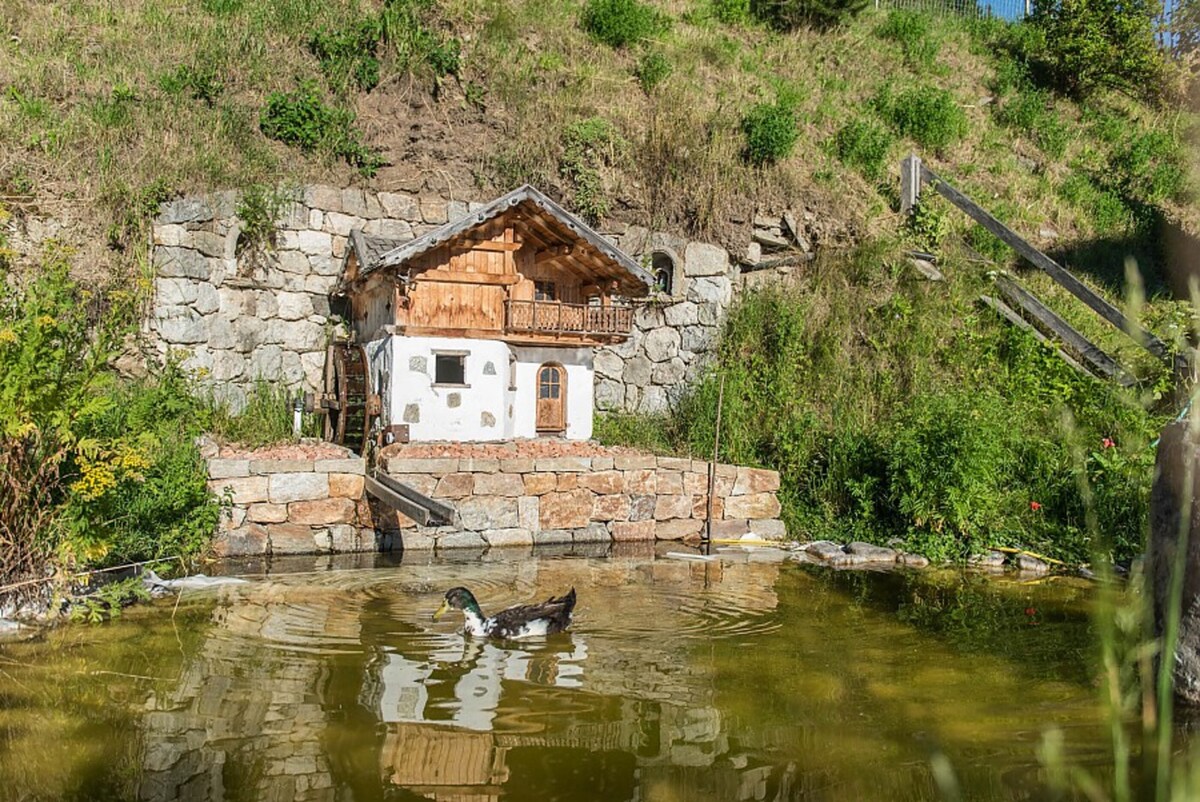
<point x="522" y="621"/>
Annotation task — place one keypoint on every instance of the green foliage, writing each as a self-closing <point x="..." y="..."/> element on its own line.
<point x="1098" y="44"/>
<point x="266" y="418"/>
<point x="786" y="15"/>
<point x="1103" y="206"/>
<point x="927" y="114"/>
<point x="589" y="146"/>
<point x="258" y="210"/>
<point x="133" y="210"/>
<point x="733" y="12"/>
<point x="645" y="432"/>
<point x="106" y="603"/>
<point x="864" y="145"/>
<point x="1151" y="166"/>
<point x="652" y="69"/>
<point x="199" y="82"/>
<point x="302" y="119"/>
<point x="415" y="43"/>
<point x="619" y="23"/>
<point x="912" y="31"/>
<point x="770" y="131"/>
<point x="928" y="224"/>
<point x="116" y="110"/>
<point x="1031" y="111"/>
<point x="348" y="55"/>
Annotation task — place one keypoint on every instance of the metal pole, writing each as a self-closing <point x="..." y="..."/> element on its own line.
<point x="712" y="468"/>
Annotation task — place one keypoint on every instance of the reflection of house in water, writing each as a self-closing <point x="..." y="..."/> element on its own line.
<point x="288" y="694"/>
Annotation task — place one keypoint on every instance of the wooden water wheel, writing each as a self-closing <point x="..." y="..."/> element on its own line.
<point x="349" y="405"/>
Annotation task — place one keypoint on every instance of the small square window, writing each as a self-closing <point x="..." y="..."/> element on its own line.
<point x="545" y="291"/>
<point x="450" y="369"/>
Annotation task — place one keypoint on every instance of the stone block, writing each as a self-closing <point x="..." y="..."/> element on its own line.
<point x="730" y="530"/>
<point x="638" y="370"/>
<point x="711" y="290"/>
<point x="478" y="465"/>
<point x="668" y="482"/>
<point x="700" y="507"/>
<point x="682" y="314"/>
<point x="678" y="529"/>
<point x="592" y="533"/>
<point x="703" y="259"/>
<point x="695" y="483"/>
<point x="421" y="482"/>
<point x="294" y="305"/>
<point x="539" y="484"/>
<point x="552" y="537"/>
<point x="509" y="537"/>
<point x="480" y="513"/>
<point x="769" y="529"/>
<point x="228" y="468"/>
<point x="346" y="485"/>
<point x="603" y="482"/>
<point x="611" y="508"/>
<point x="669" y="507"/>
<point x="661" y="344"/>
<point x="608" y="364"/>
<point x="436" y="466"/>
<point x="323" y="197"/>
<point x="563" y="464"/>
<point x="754" y="506"/>
<point x="417" y="540"/>
<point x="633" y="530"/>
<point x="727" y="471"/>
<point x="675" y="463"/>
<point x="297" y="538"/>
<point x="433" y="211"/>
<point x="181" y="263"/>
<point x="248" y="490"/>
<point x="602" y="463"/>
<point x="344" y="538"/>
<point x="640" y="482"/>
<point x="568" y="481"/>
<point x="455" y="485"/>
<point x="289" y="487"/>
<point x="245" y="541"/>
<point x="566" y="510"/>
<point x="755" y="480"/>
<point x="462" y="540"/>
<point x="400" y="207"/>
<point x="232" y="518"/>
<point x="635" y="462"/>
<point x="268" y="513"/>
<point x="322" y="511"/>
<point x="516" y="465"/>
<point x="641" y="508"/>
<point x="262" y="467"/>
<point x="456" y="210"/>
<point x="499" y="484"/>
<point x="527" y="512"/>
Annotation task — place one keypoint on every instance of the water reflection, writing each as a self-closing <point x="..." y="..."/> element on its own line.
<point x="732" y="680"/>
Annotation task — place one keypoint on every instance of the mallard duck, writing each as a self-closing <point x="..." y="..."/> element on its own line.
<point x="522" y="621"/>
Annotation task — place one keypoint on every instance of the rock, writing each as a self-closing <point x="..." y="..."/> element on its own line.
<point x="499" y="484"/>
<point x="637" y="371"/>
<point x="633" y="530"/>
<point x="613" y="507"/>
<point x="481" y="513"/>
<point x="528" y="512"/>
<point x="181" y="325"/>
<point x="185" y="210"/>
<point x="678" y="529"/>
<point x="401" y="207"/>
<point x="228" y="468"/>
<point x="250" y="490"/>
<point x="455" y="485"/>
<point x="660" y="345"/>
<point x="669" y="373"/>
<point x="509" y="537"/>
<point x="1026" y="562"/>
<point x="267" y="513"/>
<point x="297" y="539"/>
<point x="552" y="537"/>
<point x="875" y="554"/>
<point x="592" y="533"/>
<point x="566" y="510"/>
<point x="824" y="549"/>
<point x="682" y="314"/>
<point x="992" y="559"/>
<point x="769" y="529"/>
<point x="755" y="480"/>
<point x="462" y="540"/>
<point x="539" y="484"/>
<point x="608" y="364"/>
<point x="755" y="505"/>
<point x="602" y="482"/>
<point x="771" y="239"/>
<point x="609" y="395"/>
<point x="288" y="487"/>
<point x="702" y="259"/>
<point x="322" y="511"/>
<point x="927" y="269"/>
<point x="655" y="401"/>
<point x="667" y="507"/>
<point x="913" y="560"/>
<point x="716" y="289"/>
<point x="294" y="305"/>
<point x="246" y="541"/>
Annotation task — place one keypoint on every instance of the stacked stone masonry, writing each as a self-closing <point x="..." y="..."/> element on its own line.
<point x="235" y="313"/>
<point x="282" y="507"/>
<point x="554" y="500"/>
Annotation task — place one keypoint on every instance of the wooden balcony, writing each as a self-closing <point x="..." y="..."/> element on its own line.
<point x="559" y="319"/>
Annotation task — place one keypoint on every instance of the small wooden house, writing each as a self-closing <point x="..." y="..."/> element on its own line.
<point x="484" y="328"/>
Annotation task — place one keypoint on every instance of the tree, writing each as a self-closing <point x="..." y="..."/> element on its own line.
<point x="1097" y="44"/>
<point x="790" y="14"/>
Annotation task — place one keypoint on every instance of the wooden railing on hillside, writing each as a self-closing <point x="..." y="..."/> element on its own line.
<point x="554" y="317"/>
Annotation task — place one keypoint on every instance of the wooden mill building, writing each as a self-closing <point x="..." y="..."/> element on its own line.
<point x="484" y="329"/>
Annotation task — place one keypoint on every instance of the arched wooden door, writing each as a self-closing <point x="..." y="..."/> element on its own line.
<point x="551" y="399"/>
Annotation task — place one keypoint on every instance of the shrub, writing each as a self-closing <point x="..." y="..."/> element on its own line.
<point x="911" y="30"/>
<point x="348" y="54"/>
<point x="258" y="209"/>
<point x="1031" y="111"/>
<point x="864" y="145"/>
<point x="1096" y="44"/>
<point x="588" y="146"/>
<point x="619" y="23"/>
<point x="1151" y="168"/>
<point x="266" y="418"/>
<point x="1105" y="209"/>
<point x="732" y="12"/>
<point x="653" y="68"/>
<point x="770" y="132"/>
<point x="199" y="82"/>
<point x="301" y="119"/>
<point x="927" y="114"/>
<point x="787" y="15"/>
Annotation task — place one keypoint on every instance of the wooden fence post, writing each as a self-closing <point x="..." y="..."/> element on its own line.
<point x="910" y="183"/>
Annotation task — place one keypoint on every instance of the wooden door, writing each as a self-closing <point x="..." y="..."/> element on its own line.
<point x="551" y="399"/>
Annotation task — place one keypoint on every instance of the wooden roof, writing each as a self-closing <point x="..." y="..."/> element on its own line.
<point x="541" y="223"/>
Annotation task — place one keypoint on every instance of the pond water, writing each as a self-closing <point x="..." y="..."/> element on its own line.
<point x="734" y="680"/>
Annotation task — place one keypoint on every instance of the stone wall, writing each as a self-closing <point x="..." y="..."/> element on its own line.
<point x="579" y="499"/>
<point x="234" y="314"/>
<point x="291" y="506"/>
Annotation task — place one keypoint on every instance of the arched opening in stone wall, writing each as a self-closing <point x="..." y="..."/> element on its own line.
<point x="662" y="267"/>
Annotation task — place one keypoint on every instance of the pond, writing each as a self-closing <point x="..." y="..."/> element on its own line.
<point x="741" y="679"/>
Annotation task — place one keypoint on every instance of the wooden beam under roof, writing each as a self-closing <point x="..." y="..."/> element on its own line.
<point x="488" y="245"/>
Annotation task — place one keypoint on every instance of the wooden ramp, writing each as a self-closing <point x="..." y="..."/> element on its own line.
<point x="416" y="505"/>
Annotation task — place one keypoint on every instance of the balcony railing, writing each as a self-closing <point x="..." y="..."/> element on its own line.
<point x="552" y="317"/>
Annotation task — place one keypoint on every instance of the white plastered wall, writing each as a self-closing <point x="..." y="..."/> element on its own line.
<point x="580" y="391"/>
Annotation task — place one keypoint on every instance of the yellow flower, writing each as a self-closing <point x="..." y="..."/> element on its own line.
<point x="45" y="320"/>
<point x="7" y="336"/>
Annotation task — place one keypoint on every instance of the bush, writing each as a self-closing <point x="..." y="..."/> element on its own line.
<point x="770" y="132"/>
<point x="788" y="15"/>
<point x="1031" y="111"/>
<point x="732" y="12"/>
<point x="258" y="210"/>
<point x="589" y="146"/>
<point x="266" y="418"/>
<point x="911" y="30"/>
<point x="927" y="114"/>
<point x="301" y="119"/>
<point x="864" y="145"/>
<point x="349" y="54"/>
<point x="619" y="23"/>
<point x="1097" y="44"/>
<point x="653" y="68"/>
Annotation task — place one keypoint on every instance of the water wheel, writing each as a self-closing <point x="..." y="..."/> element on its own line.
<point x="349" y="405"/>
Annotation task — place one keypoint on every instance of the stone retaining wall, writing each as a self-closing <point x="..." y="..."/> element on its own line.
<point x="525" y="501"/>
<point x="291" y="506"/>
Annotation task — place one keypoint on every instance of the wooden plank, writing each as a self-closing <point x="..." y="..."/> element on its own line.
<point x="460" y="277"/>
<point x="397" y="501"/>
<point x="486" y="245"/>
<point x="910" y="183"/>
<point x="1043" y="262"/>
<point x="1096" y="359"/>
<point x="439" y="510"/>
<point x="1005" y="311"/>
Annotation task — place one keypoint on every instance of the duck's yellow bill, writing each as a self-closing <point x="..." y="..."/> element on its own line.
<point x="441" y="610"/>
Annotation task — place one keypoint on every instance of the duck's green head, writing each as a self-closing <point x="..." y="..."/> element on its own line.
<point x="458" y="599"/>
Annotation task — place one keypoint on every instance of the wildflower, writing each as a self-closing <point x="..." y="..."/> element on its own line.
<point x="7" y="336"/>
<point x="1035" y="505"/>
<point x="1031" y="611"/>
<point x="1108" y="442"/>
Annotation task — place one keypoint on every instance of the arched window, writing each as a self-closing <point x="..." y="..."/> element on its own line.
<point x="662" y="266"/>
